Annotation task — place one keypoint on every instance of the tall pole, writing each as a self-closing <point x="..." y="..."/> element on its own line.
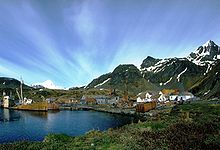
<point x="21" y="90"/>
<point x="18" y="95"/>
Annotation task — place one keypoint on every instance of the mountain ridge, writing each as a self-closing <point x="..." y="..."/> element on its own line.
<point x="181" y="73"/>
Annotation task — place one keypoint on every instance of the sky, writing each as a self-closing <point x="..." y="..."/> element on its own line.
<point x="71" y="42"/>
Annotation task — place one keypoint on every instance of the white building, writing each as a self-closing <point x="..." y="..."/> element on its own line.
<point x="181" y="96"/>
<point x="148" y="98"/>
<point x="7" y="102"/>
<point x="27" y="101"/>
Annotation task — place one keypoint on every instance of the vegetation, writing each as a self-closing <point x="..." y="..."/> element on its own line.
<point x="209" y="86"/>
<point x="188" y="126"/>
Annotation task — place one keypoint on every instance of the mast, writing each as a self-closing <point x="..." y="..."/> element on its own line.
<point x="21" y="91"/>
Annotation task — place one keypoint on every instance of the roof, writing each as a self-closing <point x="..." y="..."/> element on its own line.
<point x="169" y="91"/>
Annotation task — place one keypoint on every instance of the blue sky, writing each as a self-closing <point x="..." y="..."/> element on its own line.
<point x="72" y="42"/>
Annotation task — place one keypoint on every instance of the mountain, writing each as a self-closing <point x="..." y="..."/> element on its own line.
<point x="149" y="61"/>
<point x="173" y="73"/>
<point x="181" y="73"/>
<point x="46" y="84"/>
<point x="209" y="86"/>
<point x="124" y="77"/>
<point x="9" y="85"/>
<point x="206" y="54"/>
<point x="154" y="73"/>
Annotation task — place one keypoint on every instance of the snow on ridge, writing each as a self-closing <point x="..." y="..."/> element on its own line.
<point x="178" y="77"/>
<point x="102" y="83"/>
<point x="157" y="67"/>
<point x="208" y="43"/>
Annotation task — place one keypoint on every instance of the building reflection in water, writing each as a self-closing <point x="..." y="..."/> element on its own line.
<point x="7" y="115"/>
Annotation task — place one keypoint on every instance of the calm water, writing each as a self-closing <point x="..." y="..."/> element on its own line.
<point x="34" y="126"/>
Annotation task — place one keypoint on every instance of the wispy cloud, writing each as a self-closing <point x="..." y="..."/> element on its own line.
<point x="71" y="42"/>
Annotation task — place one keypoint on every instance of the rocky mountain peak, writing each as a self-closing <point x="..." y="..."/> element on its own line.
<point x="149" y="61"/>
<point x="205" y="54"/>
<point x="209" y="44"/>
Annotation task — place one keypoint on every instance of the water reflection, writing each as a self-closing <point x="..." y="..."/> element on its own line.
<point x="41" y="114"/>
<point x="38" y="114"/>
<point x="34" y="126"/>
<point x="7" y="115"/>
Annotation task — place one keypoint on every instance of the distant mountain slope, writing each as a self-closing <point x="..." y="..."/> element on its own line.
<point x="124" y="77"/>
<point x="209" y="86"/>
<point x="10" y="83"/>
<point x="181" y="73"/>
<point x="173" y="73"/>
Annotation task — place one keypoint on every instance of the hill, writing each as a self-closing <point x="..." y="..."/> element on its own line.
<point x="209" y="86"/>
<point x="125" y="78"/>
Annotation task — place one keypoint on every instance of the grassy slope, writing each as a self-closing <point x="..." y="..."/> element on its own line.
<point x="170" y="129"/>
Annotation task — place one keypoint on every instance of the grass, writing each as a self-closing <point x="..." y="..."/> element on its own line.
<point x="188" y="126"/>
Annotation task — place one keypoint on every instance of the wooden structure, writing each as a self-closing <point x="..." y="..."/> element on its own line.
<point x="144" y="107"/>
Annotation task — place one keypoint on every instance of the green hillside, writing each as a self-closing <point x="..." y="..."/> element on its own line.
<point x="209" y="86"/>
<point x="124" y="77"/>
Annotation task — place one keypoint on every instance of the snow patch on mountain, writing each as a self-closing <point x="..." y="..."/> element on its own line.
<point x="47" y="84"/>
<point x="159" y="66"/>
<point x="178" y="76"/>
<point x="208" y="69"/>
<point x="168" y="81"/>
<point x="102" y="83"/>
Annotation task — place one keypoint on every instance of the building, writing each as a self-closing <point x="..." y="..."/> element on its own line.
<point x="27" y="101"/>
<point x="83" y="100"/>
<point x="145" y="97"/>
<point x="174" y="95"/>
<point x="74" y="101"/>
<point x="167" y="94"/>
<point x="102" y="99"/>
<point x="7" y="102"/>
<point x="114" y="100"/>
<point x="185" y="96"/>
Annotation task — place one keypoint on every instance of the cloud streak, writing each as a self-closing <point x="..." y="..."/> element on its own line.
<point x="71" y="42"/>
